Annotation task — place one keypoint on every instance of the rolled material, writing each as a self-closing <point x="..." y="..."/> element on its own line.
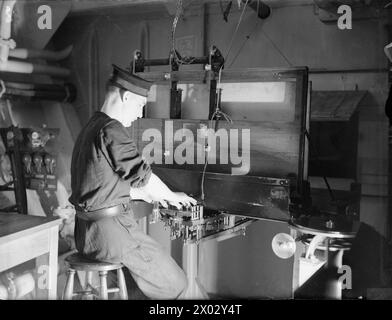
<point x="21" y="53"/>
<point x="24" y="284"/>
<point x="67" y="94"/>
<point x="34" y="86"/>
<point x="18" y="287"/>
<point x="3" y="293"/>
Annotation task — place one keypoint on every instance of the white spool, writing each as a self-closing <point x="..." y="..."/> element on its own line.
<point x="283" y="245"/>
<point x="24" y="284"/>
<point x="3" y="293"/>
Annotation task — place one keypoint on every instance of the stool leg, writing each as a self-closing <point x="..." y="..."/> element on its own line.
<point x="88" y="287"/>
<point x="103" y="285"/>
<point x="122" y="285"/>
<point x="68" y="290"/>
<point x="88" y="280"/>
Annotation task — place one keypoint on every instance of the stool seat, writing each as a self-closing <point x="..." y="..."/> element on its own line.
<point x="79" y="262"/>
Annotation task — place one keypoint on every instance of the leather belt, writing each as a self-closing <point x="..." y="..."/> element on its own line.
<point x="103" y="213"/>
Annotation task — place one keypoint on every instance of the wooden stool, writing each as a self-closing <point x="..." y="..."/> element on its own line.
<point x="77" y="262"/>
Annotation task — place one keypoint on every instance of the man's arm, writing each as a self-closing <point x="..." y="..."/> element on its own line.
<point x="122" y="154"/>
<point x="157" y="190"/>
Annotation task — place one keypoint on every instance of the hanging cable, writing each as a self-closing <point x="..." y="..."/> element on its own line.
<point x="236" y="29"/>
<point x="218" y="113"/>
<point x="276" y="48"/>
<point x="178" y="59"/>
<point x="243" y="43"/>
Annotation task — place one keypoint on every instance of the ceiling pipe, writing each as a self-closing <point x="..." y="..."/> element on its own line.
<point x="41" y="54"/>
<point x="5" y="30"/>
<point x="65" y="93"/>
<point x="27" y="67"/>
<point x="34" y="86"/>
<point x="6" y="43"/>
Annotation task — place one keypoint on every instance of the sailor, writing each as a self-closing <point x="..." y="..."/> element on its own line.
<point x="107" y="171"/>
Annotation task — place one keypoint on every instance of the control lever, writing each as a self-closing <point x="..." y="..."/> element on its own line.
<point x="48" y="161"/>
<point x="37" y="159"/>
<point x="53" y="164"/>
<point x="27" y="162"/>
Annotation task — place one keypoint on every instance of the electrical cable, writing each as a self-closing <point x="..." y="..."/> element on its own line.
<point x="177" y="59"/>
<point x="276" y="48"/>
<point x="218" y="112"/>
<point x="247" y="37"/>
<point x="236" y="29"/>
<point x="243" y="43"/>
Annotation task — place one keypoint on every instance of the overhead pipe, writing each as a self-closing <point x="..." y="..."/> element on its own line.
<point x="34" y="86"/>
<point x="66" y="93"/>
<point x="41" y="54"/>
<point x="6" y="43"/>
<point x="27" y="67"/>
<point x="5" y="29"/>
<point x="36" y="94"/>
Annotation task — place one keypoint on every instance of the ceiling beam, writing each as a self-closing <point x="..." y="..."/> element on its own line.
<point x="170" y="5"/>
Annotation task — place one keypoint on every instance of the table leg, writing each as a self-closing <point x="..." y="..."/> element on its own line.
<point x="190" y="262"/>
<point x="47" y="266"/>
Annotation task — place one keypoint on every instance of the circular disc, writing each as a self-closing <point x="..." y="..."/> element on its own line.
<point x="283" y="245"/>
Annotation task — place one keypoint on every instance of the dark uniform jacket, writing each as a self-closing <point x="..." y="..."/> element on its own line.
<point x="105" y="164"/>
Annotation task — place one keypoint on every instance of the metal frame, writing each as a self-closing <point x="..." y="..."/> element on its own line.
<point x="299" y="75"/>
<point x="13" y="149"/>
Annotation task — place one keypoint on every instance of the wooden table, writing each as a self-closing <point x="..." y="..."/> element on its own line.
<point x="25" y="237"/>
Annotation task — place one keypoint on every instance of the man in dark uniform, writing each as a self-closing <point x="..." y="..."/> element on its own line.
<point x="106" y="172"/>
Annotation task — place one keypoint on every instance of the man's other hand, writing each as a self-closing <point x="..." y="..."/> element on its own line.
<point x="184" y="199"/>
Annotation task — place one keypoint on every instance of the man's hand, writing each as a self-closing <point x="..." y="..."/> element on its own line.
<point x="178" y="199"/>
<point x="184" y="199"/>
<point x="156" y="190"/>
